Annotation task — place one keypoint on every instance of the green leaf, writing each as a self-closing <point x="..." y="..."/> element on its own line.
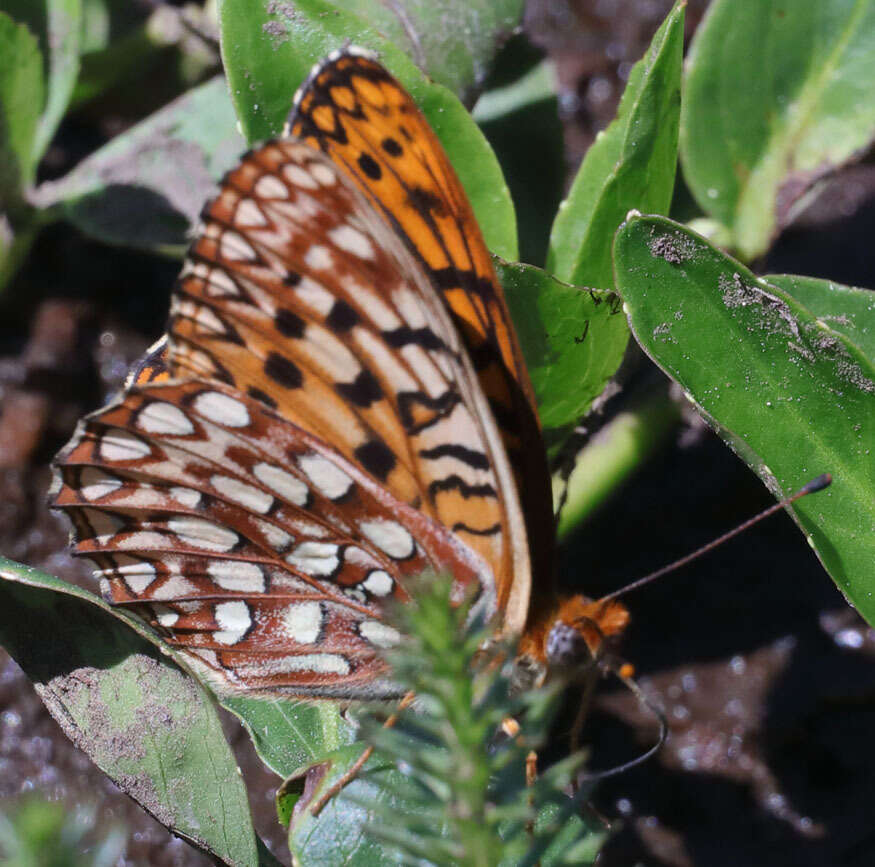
<point x="790" y="394"/>
<point x="337" y="835"/>
<point x="452" y="42"/>
<point x="776" y="96"/>
<point x="269" y="50"/>
<point x="21" y="100"/>
<point x="57" y="25"/>
<point x="290" y="734"/>
<point x="573" y="341"/>
<point x="146" y="187"/>
<point x="845" y="309"/>
<point x="144" y="722"/>
<point x="630" y="165"/>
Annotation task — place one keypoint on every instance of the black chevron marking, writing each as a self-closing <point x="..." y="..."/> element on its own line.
<point x="473" y="458"/>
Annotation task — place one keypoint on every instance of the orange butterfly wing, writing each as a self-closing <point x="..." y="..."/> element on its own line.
<point x="357" y="113"/>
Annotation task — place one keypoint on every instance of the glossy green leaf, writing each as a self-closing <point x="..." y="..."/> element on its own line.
<point x="22" y="95"/>
<point x="289" y="734"/>
<point x="845" y="309"/>
<point x="269" y="50"/>
<point x="776" y="96"/>
<point x="57" y="25"/>
<point x="630" y="165"/>
<point x="152" y="728"/>
<point x="452" y="42"/>
<point x="337" y="835"/>
<point x="792" y="396"/>
<point x="573" y="341"/>
<point x="147" y="187"/>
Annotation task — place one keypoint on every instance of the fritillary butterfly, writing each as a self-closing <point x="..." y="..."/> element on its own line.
<point x="339" y="404"/>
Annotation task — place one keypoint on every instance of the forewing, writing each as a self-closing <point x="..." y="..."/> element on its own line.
<point x="297" y="293"/>
<point x="357" y="113"/>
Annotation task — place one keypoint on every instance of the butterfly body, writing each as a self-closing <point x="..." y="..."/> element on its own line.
<point x="340" y="404"/>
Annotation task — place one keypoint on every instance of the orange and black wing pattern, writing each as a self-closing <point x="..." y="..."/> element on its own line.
<point x="352" y="109"/>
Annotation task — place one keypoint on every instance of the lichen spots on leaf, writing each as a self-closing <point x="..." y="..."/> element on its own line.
<point x="675" y="249"/>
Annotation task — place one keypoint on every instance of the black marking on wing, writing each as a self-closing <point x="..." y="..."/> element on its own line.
<point x="342" y="317"/>
<point x="457" y="483"/>
<point x="377" y="458"/>
<point x="265" y="398"/>
<point x="441" y="406"/>
<point x="363" y="391"/>
<point x="486" y="531"/>
<point x="370" y="167"/>
<point x="392" y="147"/>
<point x="283" y="371"/>
<point x="289" y="324"/>
<point x="473" y="458"/>
<point x="404" y="335"/>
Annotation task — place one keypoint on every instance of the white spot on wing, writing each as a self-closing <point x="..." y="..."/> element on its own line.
<point x="249" y="214"/>
<point x="220" y="284"/>
<point x="390" y="537"/>
<point x="327" y="477"/>
<point x="119" y="445"/>
<point x="234" y="619"/>
<point x="319" y="258"/>
<point x="290" y="488"/>
<point x="378" y="582"/>
<point x="248" y="496"/>
<point x="237" y="575"/>
<point x="299" y="177"/>
<point x="235" y="247"/>
<point x="222" y="409"/>
<point x="315" y="296"/>
<point x="319" y="663"/>
<point x="202" y="534"/>
<point x="165" y="616"/>
<point x="323" y="174"/>
<point x="160" y="417"/>
<point x="277" y="538"/>
<point x="315" y="558"/>
<point x="94" y="484"/>
<point x="186" y="496"/>
<point x="353" y="241"/>
<point x="379" y="634"/>
<point x="303" y="622"/>
<point x="138" y="576"/>
<point x="271" y="187"/>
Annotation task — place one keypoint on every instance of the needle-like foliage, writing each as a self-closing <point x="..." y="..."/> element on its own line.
<point x="473" y="805"/>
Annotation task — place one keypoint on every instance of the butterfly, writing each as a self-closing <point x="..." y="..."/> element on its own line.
<point x="340" y="403"/>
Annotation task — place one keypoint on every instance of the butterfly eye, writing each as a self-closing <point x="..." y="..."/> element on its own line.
<point x="567" y="648"/>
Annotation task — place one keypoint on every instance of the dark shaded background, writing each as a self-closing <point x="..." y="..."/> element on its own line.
<point x="765" y="673"/>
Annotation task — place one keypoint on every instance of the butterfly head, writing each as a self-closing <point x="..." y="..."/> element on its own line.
<point x="571" y="638"/>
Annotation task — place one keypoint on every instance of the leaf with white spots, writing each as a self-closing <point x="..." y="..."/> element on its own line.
<point x="111" y="688"/>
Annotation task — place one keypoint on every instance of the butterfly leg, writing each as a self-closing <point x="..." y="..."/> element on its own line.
<point x="352" y="773"/>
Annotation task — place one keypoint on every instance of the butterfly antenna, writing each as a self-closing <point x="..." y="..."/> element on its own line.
<point x="812" y="487"/>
